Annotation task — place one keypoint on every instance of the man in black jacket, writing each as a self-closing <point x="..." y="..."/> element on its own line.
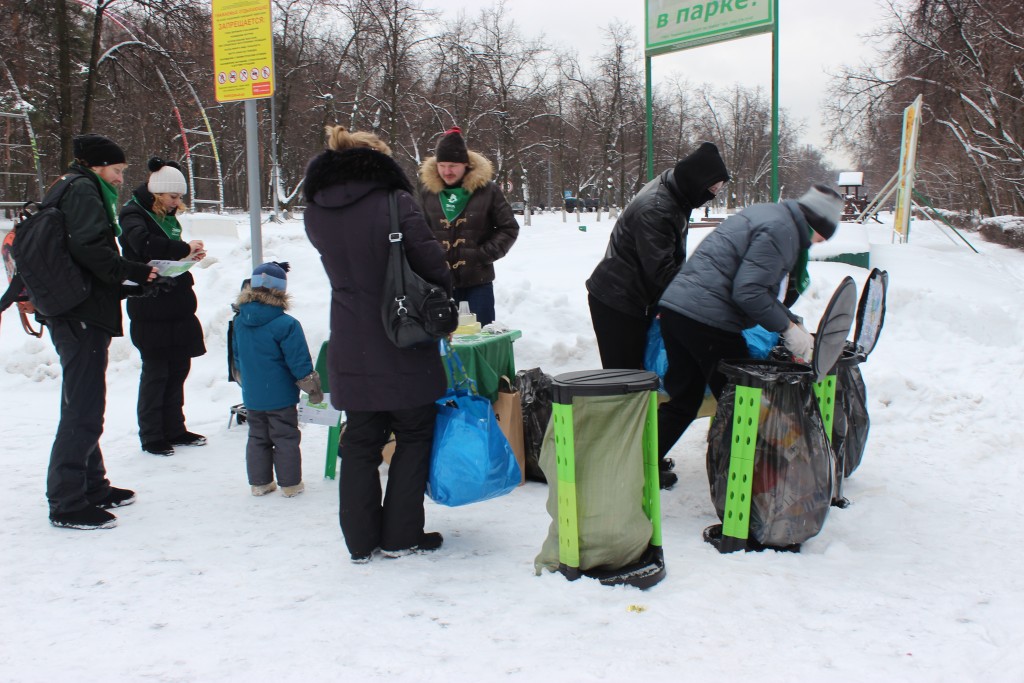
<point x="646" y="248"/>
<point x="77" y="489"/>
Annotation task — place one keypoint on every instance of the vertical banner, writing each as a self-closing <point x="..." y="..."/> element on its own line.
<point x="243" y="50"/>
<point x="908" y="165"/>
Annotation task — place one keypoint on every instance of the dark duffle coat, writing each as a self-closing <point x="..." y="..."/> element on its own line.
<point x="480" y="235"/>
<point x="164" y="327"/>
<point x="347" y="220"/>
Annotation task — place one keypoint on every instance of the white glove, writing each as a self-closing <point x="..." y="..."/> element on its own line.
<point x="799" y="342"/>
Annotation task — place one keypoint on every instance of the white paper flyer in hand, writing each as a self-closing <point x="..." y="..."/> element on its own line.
<point x="171" y="268"/>
<point x="318" y="413"/>
<point x="167" y="269"/>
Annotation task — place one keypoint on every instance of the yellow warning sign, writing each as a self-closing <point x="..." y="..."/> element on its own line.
<point x="243" y="50"/>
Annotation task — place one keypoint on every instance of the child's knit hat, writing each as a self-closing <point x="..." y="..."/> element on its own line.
<point x="272" y="275"/>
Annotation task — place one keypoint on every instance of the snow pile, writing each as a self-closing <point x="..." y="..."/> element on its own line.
<point x="917" y="581"/>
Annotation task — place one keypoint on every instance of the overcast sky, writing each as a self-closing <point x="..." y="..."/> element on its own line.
<point x="815" y="36"/>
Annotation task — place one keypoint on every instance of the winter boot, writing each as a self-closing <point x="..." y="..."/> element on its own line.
<point x="116" y="498"/>
<point x="188" y="439"/>
<point x="158" y="447"/>
<point x="292" y="491"/>
<point x="87" y="518"/>
<point x="263" y="489"/>
<point x="429" y="542"/>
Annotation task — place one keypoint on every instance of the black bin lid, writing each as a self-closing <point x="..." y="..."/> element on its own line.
<point x="601" y="383"/>
<point x="871" y="312"/>
<point x="833" y="328"/>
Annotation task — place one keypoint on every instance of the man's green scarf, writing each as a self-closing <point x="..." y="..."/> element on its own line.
<point x="453" y="201"/>
<point x="800" y="276"/>
<point x="109" y="195"/>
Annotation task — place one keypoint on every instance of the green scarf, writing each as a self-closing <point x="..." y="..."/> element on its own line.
<point x="453" y="201"/>
<point x="169" y="223"/>
<point x="109" y="194"/>
<point x="800" y="276"/>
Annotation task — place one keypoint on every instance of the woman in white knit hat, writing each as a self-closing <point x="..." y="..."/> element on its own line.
<point x="164" y="328"/>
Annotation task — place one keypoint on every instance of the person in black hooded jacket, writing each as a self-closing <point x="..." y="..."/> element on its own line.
<point x="77" y="489"/>
<point x="381" y="388"/>
<point x="164" y="328"/>
<point x="645" y="251"/>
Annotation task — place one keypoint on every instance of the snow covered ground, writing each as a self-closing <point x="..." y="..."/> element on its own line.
<point x="919" y="580"/>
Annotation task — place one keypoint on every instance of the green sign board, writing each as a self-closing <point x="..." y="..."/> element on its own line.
<point x="682" y="24"/>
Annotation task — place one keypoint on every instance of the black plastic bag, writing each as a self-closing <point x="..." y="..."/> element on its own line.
<point x="534" y="389"/>
<point x="794" y="475"/>
<point x="852" y="410"/>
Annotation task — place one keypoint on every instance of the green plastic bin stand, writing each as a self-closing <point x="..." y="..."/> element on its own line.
<point x="333" y="433"/>
<point x="825" y="390"/>
<point x="736" y="518"/>
<point x="650" y="569"/>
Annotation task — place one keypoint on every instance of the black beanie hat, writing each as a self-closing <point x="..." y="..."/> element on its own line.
<point x="96" y="150"/>
<point x="452" y="148"/>
<point x="698" y="171"/>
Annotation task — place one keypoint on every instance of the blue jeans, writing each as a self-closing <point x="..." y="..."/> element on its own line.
<point x="481" y="301"/>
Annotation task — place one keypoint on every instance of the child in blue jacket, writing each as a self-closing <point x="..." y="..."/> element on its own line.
<point x="273" y="363"/>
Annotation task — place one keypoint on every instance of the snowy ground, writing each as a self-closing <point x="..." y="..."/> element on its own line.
<point x="919" y="580"/>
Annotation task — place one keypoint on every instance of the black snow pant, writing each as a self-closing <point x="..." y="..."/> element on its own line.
<point x="273" y="446"/>
<point x="693" y="351"/>
<point x="621" y="338"/>
<point x="76" y="477"/>
<point x="396" y="524"/>
<point x="161" y="407"/>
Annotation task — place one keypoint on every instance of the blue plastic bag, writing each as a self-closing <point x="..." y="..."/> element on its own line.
<point x="471" y="460"/>
<point x="655" y="356"/>
<point x="760" y="341"/>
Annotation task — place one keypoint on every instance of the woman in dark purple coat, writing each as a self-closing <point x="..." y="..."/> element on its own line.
<point x="381" y="388"/>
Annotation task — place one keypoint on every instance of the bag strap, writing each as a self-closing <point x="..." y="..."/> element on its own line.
<point x="54" y="199"/>
<point x="456" y="370"/>
<point x="397" y="254"/>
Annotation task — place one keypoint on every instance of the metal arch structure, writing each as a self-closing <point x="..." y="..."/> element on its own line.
<point x="10" y="148"/>
<point x="205" y="132"/>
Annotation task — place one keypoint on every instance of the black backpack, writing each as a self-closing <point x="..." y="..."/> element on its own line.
<point x="45" y="271"/>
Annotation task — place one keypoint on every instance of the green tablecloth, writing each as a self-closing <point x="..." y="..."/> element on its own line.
<point x="487" y="357"/>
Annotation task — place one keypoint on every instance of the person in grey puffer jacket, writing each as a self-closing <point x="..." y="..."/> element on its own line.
<point x="745" y="273"/>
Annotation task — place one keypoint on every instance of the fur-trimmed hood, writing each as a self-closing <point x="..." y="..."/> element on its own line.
<point x="335" y="179"/>
<point x="479" y="173"/>
<point x="263" y="295"/>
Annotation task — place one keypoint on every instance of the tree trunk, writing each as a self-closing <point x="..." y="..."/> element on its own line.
<point x="94" y="58"/>
<point x="64" y="106"/>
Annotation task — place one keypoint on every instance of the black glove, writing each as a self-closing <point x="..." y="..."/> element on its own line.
<point x="136" y="290"/>
<point x="161" y="284"/>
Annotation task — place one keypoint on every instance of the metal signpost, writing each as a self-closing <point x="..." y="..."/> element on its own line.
<point x="243" y="67"/>
<point x="673" y="25"/>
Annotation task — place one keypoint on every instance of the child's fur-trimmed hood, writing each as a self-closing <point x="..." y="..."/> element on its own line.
<point x="263" y="295"/>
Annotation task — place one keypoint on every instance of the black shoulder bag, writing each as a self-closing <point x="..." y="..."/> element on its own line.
<point x="414" y="311"/>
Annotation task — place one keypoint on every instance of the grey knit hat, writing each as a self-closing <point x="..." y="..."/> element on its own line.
<point x="823" y="207"/>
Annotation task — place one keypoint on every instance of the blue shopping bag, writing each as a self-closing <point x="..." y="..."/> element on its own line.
<point x="471" y="460"/>
<point x="655" y="356"/>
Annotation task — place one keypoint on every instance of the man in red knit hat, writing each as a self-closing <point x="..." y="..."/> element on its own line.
<point x="470" y="218"/>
